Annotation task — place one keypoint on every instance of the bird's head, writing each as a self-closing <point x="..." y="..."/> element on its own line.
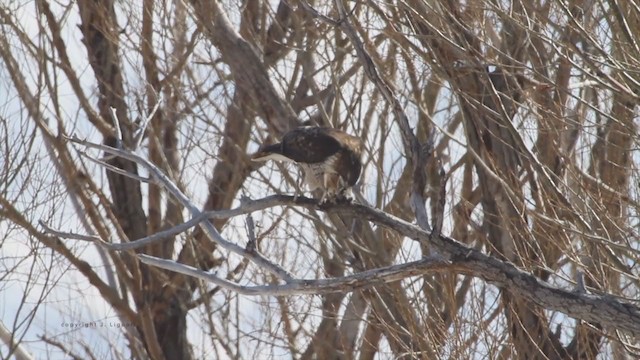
<point x="269" y="152"/>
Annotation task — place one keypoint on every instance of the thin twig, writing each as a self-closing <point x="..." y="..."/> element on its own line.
<point x="317" y="15"/>
<point x="114" y="169"/>
<point x="70" y="234"/>
<point x="116" y="123"/>
<point x="137" y="138"/>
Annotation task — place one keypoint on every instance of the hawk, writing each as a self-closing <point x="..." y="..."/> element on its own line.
<point x="330" y="159"/>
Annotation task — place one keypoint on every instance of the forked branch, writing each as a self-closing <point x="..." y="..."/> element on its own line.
<point x="604" y="309"/>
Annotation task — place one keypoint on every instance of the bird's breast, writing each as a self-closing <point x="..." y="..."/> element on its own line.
<point x="314" y="172"/>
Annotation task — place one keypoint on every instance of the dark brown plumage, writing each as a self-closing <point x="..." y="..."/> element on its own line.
<point x="329" y="157"/>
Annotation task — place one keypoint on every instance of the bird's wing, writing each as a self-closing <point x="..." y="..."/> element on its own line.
<point x="310" y="145"/>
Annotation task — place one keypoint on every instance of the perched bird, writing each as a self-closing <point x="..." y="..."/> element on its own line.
<point x="330" y="159"/>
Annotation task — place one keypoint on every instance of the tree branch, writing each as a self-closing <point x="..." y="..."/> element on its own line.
<point x="311" y="286"/>
<point x="604" y="309"/>
<point x="161" y="179"/>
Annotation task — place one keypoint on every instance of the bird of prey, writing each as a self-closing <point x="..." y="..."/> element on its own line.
<point x="330" y="159"/>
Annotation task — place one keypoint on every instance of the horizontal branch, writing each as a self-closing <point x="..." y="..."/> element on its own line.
<point x="603" y="309"/>
<point x="246" y="207"/>
<point x="315" y="286"/>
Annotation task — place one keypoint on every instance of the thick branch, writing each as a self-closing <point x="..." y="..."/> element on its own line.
<point x="604" y="309"/>
<point x="245" y="65"/>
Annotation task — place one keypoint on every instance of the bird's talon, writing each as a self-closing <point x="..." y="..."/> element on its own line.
<point x="343" y="199"/>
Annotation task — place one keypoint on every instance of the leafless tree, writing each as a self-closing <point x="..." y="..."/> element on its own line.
<point x="497" y="216"/>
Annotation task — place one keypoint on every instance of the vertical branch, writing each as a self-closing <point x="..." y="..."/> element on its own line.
<point x="156" y="122"/>
<point x="101" y="40"/>
<point x="415" y="153"/>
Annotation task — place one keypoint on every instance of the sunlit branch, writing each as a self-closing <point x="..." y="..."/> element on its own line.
<point x="603" y="309"/>
<point x="114" y="169"/>
<point x="247" y="207"/>
<point x="161" y="179"/>
<point x="71" y="235"/>
<point x="8" y="339"/>
<point x="311" y="286"/>
<point x="137" y="138"/>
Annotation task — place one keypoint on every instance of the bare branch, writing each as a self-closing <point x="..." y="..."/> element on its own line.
<point x="246" y="207"/>
<point x="604" y="309"/>
<point x="311" y="286"/>
<point x="161" y="179"/>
